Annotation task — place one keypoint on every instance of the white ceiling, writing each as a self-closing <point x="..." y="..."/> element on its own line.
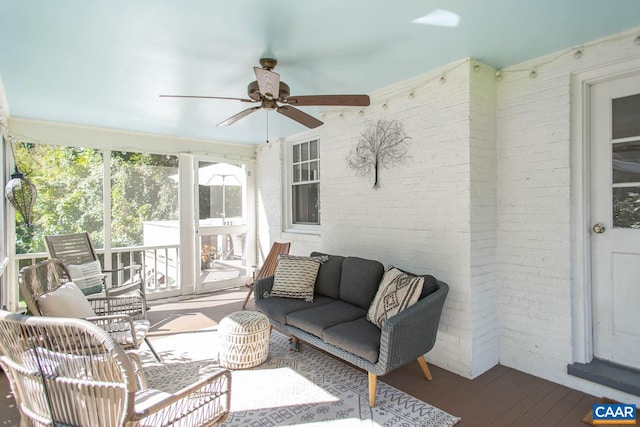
<point x="104" y="63"/>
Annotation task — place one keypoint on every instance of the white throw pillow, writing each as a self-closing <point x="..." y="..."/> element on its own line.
<point x="66" y="301"/>
<point x="295" y="276"/>
<point x="396" y="292"/>
<point x="87" y="276"/>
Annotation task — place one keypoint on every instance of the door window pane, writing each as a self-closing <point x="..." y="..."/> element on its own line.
<point x="626" y="207"/>
<point x="221" y="189"/>
<point x="626" y="117"/>
<point x="626" y="162"/>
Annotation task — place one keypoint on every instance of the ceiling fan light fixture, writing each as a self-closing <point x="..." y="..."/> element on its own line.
<point x="272" y="94"/>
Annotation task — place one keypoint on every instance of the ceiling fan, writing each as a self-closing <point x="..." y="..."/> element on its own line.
<point x="271" y="93"/>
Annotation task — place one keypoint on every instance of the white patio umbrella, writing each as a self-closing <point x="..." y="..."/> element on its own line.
<point x="221" y="174"/>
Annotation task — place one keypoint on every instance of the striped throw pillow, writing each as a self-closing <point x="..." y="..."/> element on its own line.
<point x="396" y="292"/>
<point x="295" y="277"/>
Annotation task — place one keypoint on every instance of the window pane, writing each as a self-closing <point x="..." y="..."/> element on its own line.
<point x="296" y="173"/>
<point x="305" y="172"/>
<point x="626" y="207"/>
<point x="626" y="116"/>
<point x="313" y="149"/>
<point x="306" y="204"/>
<point x="142" y="192"/>
<point x="626" y="162"/>
<point x="69" y="184"/>
<point x="304" y="151"/>
<point x="314" y="171"/>
<point x="296" y="153"/>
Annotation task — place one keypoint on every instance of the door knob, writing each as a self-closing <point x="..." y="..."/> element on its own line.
<point x="599" y="228"/>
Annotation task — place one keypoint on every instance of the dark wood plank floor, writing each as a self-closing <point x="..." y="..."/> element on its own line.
<point x="500" y="397"/>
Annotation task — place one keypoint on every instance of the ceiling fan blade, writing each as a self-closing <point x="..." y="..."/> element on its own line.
<point x="231" y="120"/>
<point x="299" y="116"/>
<point x="207" y="97"/>
<point x="347" y="100"/>
<point x="268" y="83"/>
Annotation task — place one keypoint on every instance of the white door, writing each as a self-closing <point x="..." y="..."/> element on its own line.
<point x="615" y="219"/>
<point x="221" y="226"/>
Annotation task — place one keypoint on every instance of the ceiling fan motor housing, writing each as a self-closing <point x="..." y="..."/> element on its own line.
<point x="253" y="90"/>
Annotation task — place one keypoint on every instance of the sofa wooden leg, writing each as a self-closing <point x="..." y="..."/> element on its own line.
<point x="425" y="368"/>
<point x="373" y="379"/>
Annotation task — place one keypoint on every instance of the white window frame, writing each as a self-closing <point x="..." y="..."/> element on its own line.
<point x="289" y="226"/>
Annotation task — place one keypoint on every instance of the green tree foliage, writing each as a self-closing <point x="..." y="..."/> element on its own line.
<point x="69" y="181"/>
<point x="141" y="190"/>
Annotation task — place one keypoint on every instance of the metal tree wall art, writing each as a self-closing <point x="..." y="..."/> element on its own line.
<point x="383" y="144"/>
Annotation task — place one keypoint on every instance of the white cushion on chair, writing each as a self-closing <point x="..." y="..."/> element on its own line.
<point x="66" y="301"/>
<point x="88" y="277"/>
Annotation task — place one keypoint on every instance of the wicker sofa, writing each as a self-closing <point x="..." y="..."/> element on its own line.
<point x="336" y="320"/>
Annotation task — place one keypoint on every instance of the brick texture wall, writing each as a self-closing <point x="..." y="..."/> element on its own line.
<point x="420" y="218"/>
<point x="484" y="203"/>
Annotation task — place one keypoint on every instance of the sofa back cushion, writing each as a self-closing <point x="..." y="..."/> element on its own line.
<point x="430" y="283"/>
<point x="359" y="280"/>
<point x="328" y="280"/>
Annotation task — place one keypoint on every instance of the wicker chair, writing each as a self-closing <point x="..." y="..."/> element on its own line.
<point x="268" y="268"/>
<point x="69" y="372"/>
<point x="77" y="250"/>
<point x="124" y="317"/>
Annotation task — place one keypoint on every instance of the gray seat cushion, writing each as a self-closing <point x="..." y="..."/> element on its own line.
<point x="328" y="280"/>
<point x="278" y="308"/>
<point x="359" y="281"/>
<point x="359" y="337"/>
<point x="316" y="319"/>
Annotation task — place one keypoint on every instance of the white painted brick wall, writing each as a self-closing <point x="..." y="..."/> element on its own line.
<point x="419" y="218"/>
<point x="534" y="210"/>
<point x="483" y="221"/>
<point x="484" y="204"/>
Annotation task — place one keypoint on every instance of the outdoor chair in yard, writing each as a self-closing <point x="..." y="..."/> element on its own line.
<point x="69" y="372"/>
<point x="48" y="291"/>
<point x="81" y="259"/>
<point x="269" y="266"/>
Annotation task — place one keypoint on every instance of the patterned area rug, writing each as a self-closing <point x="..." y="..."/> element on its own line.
<point x="290" y="388"/>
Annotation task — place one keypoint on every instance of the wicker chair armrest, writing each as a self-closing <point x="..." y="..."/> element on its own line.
<point x="412" y="332"/>
<point x="126" y="288"/>
<point x="141" y="380"/>
<point x="203" y="401"/>
<point x="130" y="304"/>
<point x="114" y="322"/>
<point x="261" y="286"/>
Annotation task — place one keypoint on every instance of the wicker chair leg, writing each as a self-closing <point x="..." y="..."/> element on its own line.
<point x="373" y="380"/>
<point x="246" y="299"/>
<point x="425" y="368"/>
<point x="153" y="350"/>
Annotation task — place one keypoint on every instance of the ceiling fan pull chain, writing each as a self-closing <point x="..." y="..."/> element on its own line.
<point x="267" y="126"/>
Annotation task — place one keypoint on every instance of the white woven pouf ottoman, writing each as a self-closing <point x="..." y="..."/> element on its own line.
<point x="243" y="339"/>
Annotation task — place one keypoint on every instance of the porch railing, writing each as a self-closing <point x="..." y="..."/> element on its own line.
<point x="160" y="264"/>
